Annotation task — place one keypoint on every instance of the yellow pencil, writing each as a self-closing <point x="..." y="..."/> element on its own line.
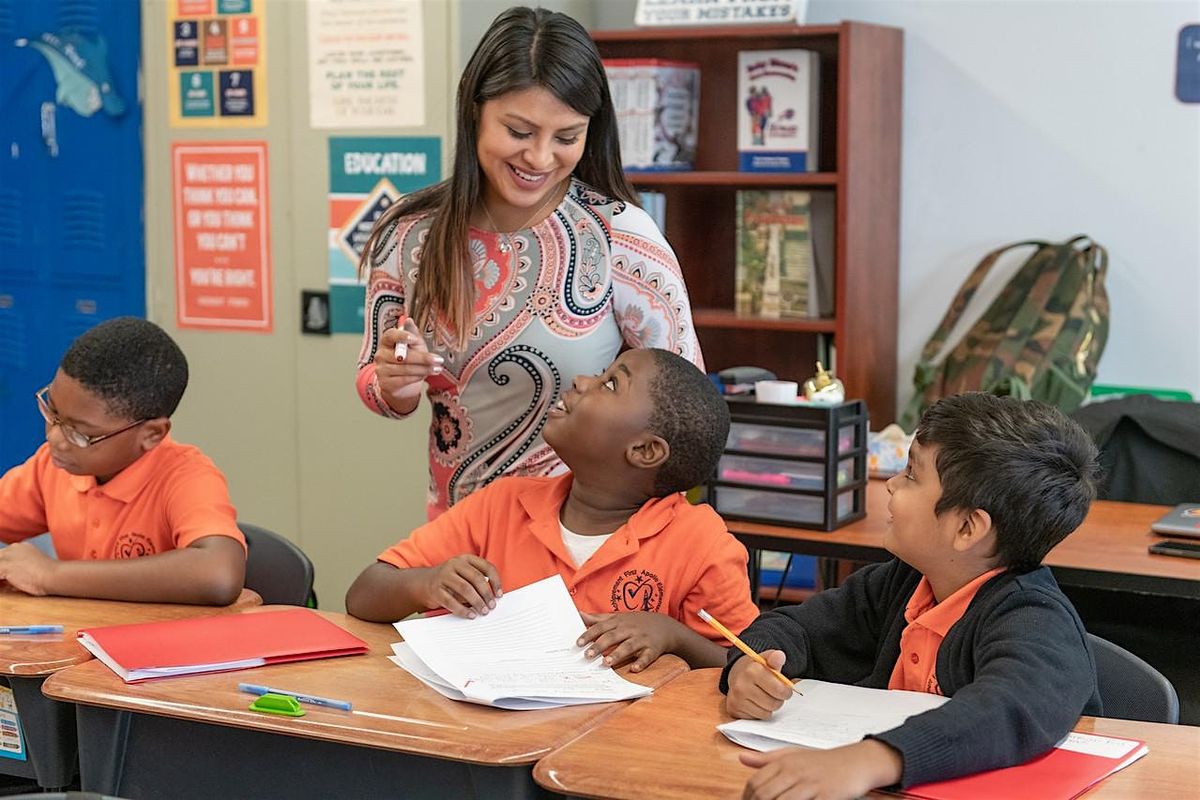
<point x="745" y="648"/>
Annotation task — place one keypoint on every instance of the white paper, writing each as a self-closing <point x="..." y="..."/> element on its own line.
<point x="1093" y="745"/>
<point x="830" y="715"/>
<point x="523" y="650"/>
<point x="366" y="63"/>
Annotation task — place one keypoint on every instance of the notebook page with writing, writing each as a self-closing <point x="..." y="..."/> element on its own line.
<point x="407" y="660"/>
<point x="524" y="648"/>
<point x="830" y="715"/>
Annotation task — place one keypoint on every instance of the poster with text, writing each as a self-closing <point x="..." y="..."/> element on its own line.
<point x="217" y="64"/>
<point x="366" y="63"/>
<point x="366" y="176"/>
<point x="222" y="236"/>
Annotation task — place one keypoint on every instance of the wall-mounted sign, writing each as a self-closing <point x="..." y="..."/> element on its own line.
<point x="366" y="63"/>
<point x="719" y="12"/>
<point x="217" y="63"/>
<point x="366" y="176"/>
<point x="222" y="235"/>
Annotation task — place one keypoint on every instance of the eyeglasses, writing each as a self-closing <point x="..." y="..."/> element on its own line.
<point x="73" y="436"/>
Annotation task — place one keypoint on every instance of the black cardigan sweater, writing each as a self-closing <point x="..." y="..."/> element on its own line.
<point x="1017" y="665"/>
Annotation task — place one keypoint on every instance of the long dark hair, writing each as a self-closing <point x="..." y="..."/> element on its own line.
<point x="524" y="47"/>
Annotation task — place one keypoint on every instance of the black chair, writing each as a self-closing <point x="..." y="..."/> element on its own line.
<point x="277" y="569"/>
<point x="1130" y="688"/>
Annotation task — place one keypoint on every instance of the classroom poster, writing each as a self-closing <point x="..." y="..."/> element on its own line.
<point x="366" y="176"/>
<point x="366" y="63"/>
<point x="222" y="236"/>
<point x="12" y="742"/>
<point x="217" y="66"/>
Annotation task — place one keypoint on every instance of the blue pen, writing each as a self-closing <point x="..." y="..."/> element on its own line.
<point x="20" y="630"/>
<point x="254" y="688"/>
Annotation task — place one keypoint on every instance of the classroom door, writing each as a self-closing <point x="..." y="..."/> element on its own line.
<point x="71" y="197"/>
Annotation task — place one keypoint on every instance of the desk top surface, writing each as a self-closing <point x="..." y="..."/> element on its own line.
<point x="667" y="746"/>
<point x="392" y="709"/>
<point x="1113" y="538"/>
<point x="46" y="653"/>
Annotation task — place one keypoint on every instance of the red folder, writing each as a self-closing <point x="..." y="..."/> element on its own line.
<point x="212" y="644"/>
<point x="1078" y="762"/>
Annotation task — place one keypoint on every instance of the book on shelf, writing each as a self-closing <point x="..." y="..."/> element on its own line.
<point x="655" y="204"/>
<point x="657" y="103"/>
<point x="777" y="110"/>
<point x="774" y="266"/>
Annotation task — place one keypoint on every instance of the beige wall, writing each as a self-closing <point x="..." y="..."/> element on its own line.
<point x="277" y="412"/>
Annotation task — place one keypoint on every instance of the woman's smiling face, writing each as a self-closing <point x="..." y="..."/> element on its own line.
<point x="528" y="143"/>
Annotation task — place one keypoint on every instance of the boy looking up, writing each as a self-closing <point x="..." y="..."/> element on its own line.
<point x="133" y="514"/>
<point x="964" y="610"/>
<point x="637" y="558"/>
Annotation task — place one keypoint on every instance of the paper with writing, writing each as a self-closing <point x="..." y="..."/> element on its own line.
<point x="830" y="715"/>
<point x="520" y="655"/>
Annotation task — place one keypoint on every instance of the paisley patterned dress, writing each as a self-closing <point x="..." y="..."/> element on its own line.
<point x="594" y="276"/>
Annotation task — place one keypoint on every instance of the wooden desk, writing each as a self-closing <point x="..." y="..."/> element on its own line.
<point x="195" y="737"/>
<point x="25" y="663"/>
<point x="1107" y="551"/>
<point x="666" y="746"/>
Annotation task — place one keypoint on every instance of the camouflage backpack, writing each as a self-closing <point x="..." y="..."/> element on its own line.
<point x="1041" y="338"/>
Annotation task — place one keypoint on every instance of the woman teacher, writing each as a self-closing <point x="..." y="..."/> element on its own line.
<point x="530" y="265"/>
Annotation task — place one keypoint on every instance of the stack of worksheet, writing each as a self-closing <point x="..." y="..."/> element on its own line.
<point x="521" y="655"/>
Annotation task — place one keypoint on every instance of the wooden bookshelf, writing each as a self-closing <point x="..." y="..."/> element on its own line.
<point x="858" y="160"/>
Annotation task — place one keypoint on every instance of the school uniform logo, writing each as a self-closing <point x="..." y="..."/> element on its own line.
<point x="134" y="545"/>
<point x="637" y="590"/>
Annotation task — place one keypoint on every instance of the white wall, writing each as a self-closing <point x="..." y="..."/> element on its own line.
<point x="1034" y="119"/>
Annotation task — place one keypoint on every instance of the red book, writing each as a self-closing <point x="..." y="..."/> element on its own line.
<point x="213" y="644"/>
<point x="1076" y="764"/>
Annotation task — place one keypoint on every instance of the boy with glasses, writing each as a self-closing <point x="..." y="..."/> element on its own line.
<point x="133" y="514"/>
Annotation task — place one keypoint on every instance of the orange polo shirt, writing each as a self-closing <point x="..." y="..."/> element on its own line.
<point x="670" y="557"/>
<point x="167" y="499"/>
<point x="928" y="623"/>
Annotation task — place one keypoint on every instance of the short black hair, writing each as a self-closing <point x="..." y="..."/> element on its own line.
<point x="132" y="365"/>
<point x="1027" y="464"/>
<point x="691" y="416"/>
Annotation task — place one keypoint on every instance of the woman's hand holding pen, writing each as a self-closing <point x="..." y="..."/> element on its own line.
<point x="465" y="585"/>
<point x="401" y="371"/>
<point x="754" y="693"/>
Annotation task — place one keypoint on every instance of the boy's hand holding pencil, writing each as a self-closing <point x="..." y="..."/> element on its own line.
<point x="760" y="687"/>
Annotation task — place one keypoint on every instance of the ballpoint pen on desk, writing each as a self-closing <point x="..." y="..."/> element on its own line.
<point x="745" y="648"/>
<point x="254" y="688"/>
<point x="22" y="630"/>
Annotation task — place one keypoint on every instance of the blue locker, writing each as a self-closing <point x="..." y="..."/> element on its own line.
<point x="71" y="198"/>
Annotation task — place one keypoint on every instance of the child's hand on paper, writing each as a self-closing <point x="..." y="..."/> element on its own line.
<point x="754" y="693"/>
<point x="402" y="371"/>
<point x="641" y="636"/>
<point x="25" y="568"/>
<point x="465" y="585"/>
<point x="843" y="772"/>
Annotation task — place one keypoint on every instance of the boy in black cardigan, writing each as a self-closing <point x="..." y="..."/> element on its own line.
<point x="964" y="610"/>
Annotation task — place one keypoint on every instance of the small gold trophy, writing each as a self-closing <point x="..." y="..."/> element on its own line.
<point x="824" y="389"/>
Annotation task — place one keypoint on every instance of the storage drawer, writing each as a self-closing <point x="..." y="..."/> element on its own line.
<point x="779" y="506"/>
<point x="778" y="472"/>
<point x="780" y="441"/>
